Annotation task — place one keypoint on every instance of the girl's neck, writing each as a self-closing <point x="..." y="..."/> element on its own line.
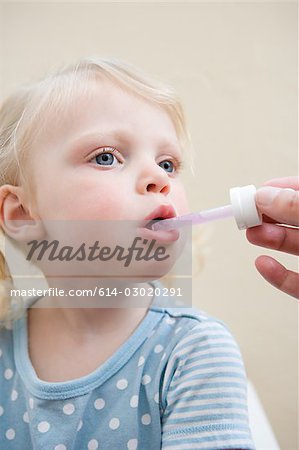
<point x="80" y="317"/>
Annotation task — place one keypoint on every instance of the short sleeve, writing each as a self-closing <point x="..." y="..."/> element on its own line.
<point x="205" y="392"/>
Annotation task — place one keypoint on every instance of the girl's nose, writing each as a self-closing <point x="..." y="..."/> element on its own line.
<point x="153" y="181"/>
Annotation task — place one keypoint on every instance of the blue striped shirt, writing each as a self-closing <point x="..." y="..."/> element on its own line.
<point x="177" y="383"/>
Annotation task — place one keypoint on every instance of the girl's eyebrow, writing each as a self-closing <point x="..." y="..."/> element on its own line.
<point x="91" y="139"/>
<point x="96" y="135"/>
<point x="88" y="141"/>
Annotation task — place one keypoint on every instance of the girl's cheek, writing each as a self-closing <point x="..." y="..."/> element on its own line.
<point x="180" y="200"/>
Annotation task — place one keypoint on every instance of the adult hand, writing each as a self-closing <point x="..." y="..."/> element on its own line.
<point x="278" y="201"/>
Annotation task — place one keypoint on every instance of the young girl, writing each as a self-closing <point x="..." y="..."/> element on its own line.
<point x="100" y="141"/>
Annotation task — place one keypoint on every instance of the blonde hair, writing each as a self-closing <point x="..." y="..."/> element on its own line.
<point x="23" y="116"/>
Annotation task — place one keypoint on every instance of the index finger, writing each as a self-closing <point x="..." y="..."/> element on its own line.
<point x="286" y="182"/>
<point x="281" y="205"/>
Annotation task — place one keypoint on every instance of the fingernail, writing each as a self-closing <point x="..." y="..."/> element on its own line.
<point x="266" y="195"/>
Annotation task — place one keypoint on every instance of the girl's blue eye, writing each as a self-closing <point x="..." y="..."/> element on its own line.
<point x="167" y="166"/>
<point x="105" y="159"/>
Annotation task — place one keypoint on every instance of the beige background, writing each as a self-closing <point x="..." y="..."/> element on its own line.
<point x="235" y="68"/>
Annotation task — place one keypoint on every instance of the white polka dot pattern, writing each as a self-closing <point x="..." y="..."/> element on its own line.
<point x="26" y="417"/>
<point x="114" y="423"/>
<point x="158" y="348"/>
<point x="99" y="403"/>
<point x="60" y="447"/>
<point x="8" y="374"/>
<point x="68" y="409"/>
<point x="93" y="444"/>
<point x="10" y="434"/>
<point x="122" y="384"/>
<point x="146" y="419"/>
<point x="134" y="401"/>
<point x="141" y="361"/>
<point x="43" y="427"/>
<point x="14" y="395"/>
<point x="132" y="444"/>
<point x="146" y="379"/>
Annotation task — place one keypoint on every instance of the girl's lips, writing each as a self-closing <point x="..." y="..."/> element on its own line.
<point x="162" y="212"/>
<point x="161" y="236"/>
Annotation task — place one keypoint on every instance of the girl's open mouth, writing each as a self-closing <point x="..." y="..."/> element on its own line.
<point x="163" y="236"/>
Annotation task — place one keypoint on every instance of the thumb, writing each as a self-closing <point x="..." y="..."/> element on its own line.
<point x="282" y="205"/>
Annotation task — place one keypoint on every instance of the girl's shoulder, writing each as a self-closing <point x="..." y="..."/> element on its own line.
<point x="191" y="333"/>
<point x="189" y="318"/>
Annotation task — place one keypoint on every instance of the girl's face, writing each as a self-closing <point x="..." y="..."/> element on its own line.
<point x="113" y="156"/>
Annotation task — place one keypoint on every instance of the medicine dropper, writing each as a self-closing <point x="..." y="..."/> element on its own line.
<point x="242" y="207"/>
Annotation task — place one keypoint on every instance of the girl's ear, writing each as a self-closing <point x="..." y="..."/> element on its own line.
<point x="15" y="218"/>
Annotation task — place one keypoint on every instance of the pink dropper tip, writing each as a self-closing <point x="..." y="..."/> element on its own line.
<point x="173" y="224"/>
<point x="194" y="218"/>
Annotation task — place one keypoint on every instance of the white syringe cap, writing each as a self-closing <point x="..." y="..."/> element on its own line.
<point x="244" y="208"/>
